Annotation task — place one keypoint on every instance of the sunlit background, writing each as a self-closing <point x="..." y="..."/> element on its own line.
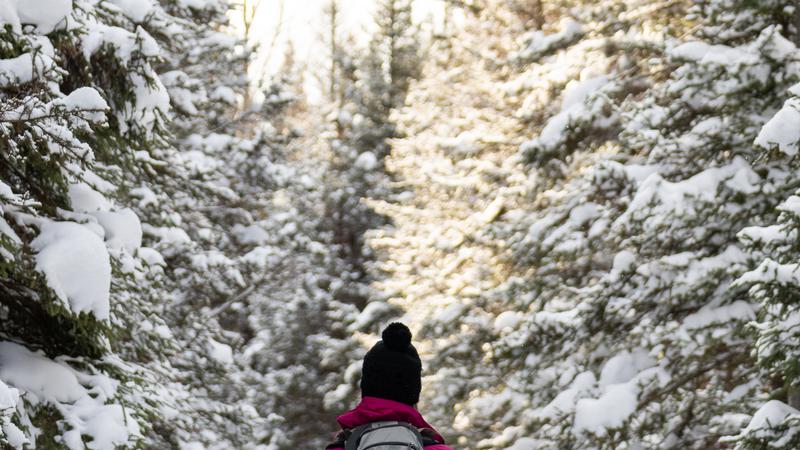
<point x="276" y="25"/>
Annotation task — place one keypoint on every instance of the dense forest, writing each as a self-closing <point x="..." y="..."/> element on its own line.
<point x="586" y="211"/>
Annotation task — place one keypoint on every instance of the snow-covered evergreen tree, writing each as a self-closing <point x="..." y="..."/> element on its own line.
<point x="587" y="302"/>
<point x="147" y="148"/>
<point x="82" y="103"/>
<point x="774" y="288"/>
<point x="371" y="83"/>
<point x="636" y="336"/>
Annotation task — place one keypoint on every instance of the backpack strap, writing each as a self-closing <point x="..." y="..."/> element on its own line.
<point x="340" y="439"/>
<point x="428" y="437"/>
<point x="355" y="437"/>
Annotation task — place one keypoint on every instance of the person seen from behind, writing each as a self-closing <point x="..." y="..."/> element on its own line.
<point x="387" y="418"/>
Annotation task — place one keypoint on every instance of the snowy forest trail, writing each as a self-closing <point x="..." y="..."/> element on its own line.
<point x="587" y="212"/>
<point x="458" y="171"/>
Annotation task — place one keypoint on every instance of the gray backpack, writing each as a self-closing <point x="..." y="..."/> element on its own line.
<point x="384" y="436"/>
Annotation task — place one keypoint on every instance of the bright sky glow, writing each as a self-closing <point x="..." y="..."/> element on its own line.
<point x="302" y="23"/>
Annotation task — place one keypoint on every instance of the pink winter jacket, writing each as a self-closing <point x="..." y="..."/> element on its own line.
<point x="374" y="409"/>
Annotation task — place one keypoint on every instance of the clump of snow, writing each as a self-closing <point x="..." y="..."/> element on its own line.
<point x="167" y="235"/>
<point x="564" y="402"/>
<point x="88" y="100"/>
<point x="783" y="130"/>
<point x="177" y="83"/>
<point x="693" y="268"/>
<point x="224" y="93"/>
<point x="122" y="228"/>
<point x="251" y="234"/>
<point x="263" y="256"/>
<point x="5" y="230"/>
<point x="6" y="192"/>
<point x="791" y="205"/>
<point x="371" y="314"/>
<point x="508" y="435"/>
<point x="618" y="387"/>
<point x="771" y="414"/>
<point x="526" y="444"/>
<point x="539" y="43"/>
<point x="738" y="310"/>
<point x="611" y="410"/>
<point x="777" y="46"/>
<point x="197" y="4"/>
<point x="136" y="10"/>
<point x="580" y="105"/>
<point x="623" y="261"/>
<point x="14" y="436"/>
<point x="337" y="396"/>
<point x="151" y="96"/>
<point x="624" y="366"/>
<point x="210" y="258"/>
<point x="31" y="372"/>
<point x="771" y="270"/>
<point x="573" y="108"/>
<point x="124" y="43"/>
<point x="23" y="69"/>
<point x="16" y="70"/>
<point x="198" y="162"/>
<point x="507" y="320"/>
<point x="705" y="53"/>
<point x="145" y="195"/>
<point x="213" y="142"/>
<point x="366" y="161"/>
<point x="83" y="409"/>
<point x="491" y="212"/>
<point x="85" y="199"/>
<point x="578" y="91"/>
<point x="771" y="234"/>
<point x="76" y="265"/>
<point x="194" y="445"/>
<point x="84" y="98"/>
<point x="8" y="15"/>
<point x="464" y="145"/>
<point x="671" y="197"/>
<point x="450" y="313"/>
<point x="45" y="15"/>
<point x="106" y="424"/>
<point x="151" y="256"/>
<point x="219" y="352"/>
<point x="8" y="397"/>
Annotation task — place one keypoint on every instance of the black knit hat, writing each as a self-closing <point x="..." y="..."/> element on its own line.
<point x="392" y="368"/>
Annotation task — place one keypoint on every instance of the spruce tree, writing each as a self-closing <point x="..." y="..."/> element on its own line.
<point x="591" y="289"/>
<point x="120" y="365"/>
<point x="773" y="289"/>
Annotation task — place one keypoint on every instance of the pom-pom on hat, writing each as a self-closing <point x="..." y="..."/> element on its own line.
<point x="392" y="368"/>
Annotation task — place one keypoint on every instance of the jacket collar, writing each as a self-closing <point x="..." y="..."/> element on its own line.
<point x="374" y="409"/>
